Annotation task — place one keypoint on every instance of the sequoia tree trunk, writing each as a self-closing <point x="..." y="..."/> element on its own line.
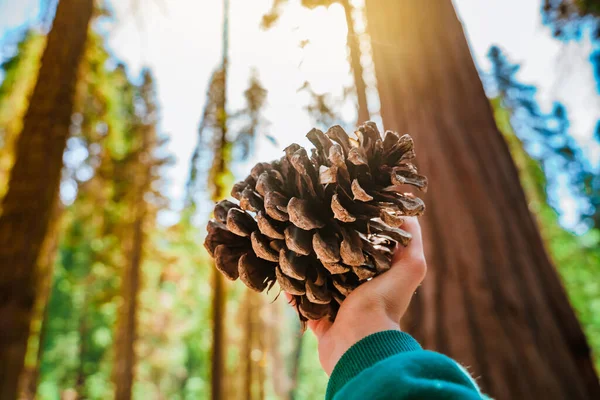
<point x="39" y="320"/>
<point x="33" y="184"/>
<point x="492" y="298"/>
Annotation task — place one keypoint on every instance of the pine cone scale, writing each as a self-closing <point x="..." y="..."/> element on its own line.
<point x="289" y="285"/>
<point x="319" y="225"/>
<point x="269" y="227"/>
<point x="292" y="265"/>
<point x="302" y="215"/>
<point x="298" y="240"/>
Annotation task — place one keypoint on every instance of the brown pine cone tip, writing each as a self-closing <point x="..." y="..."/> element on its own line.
<point x="319" y="225"/>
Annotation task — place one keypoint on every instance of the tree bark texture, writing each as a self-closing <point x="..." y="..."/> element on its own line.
<point x="126" y="335"/>
<point x="34" y="182"/>
<point x="38" y="327"/>
<point x="492" y="298"/>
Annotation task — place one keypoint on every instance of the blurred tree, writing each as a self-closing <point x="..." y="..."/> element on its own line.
<point x="20" y="74"/>
<point x="577" y="256"/>
<point x="255" y="97"/>
<point x="251" y="352"/>
<point x="570" y="18"/>
<point x="34" y="181"/>
<point x="352" y="41"/>
<point x="45" y="267"/>
<point x="114" y="129"/>
<point x="216" y="136"/>
<point x="296" y="355"/>
<point x="218" y="172"/>
<point x="85" y="284"/>
<point x="213" y="140"/>
<point x="217" y="183"/>
<point x="595" y="60"/>
<point x="251" y="308"/>
<point x="492" y="295"/>
<point x="143" y="202"/>
<point x="87" y="116"/>
<point x="321" y="108"/>
<point x="546" y="137"/>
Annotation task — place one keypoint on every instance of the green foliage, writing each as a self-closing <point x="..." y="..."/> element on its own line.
<point x="212" y="145"/>
<point x="175" y="336"/>
<point x="312" y="379"/>
<point x="271" y="18"/>
<point x="114" y="127"/>
<point x="82" y="308"/>
<point x="256" y="98"/>
<point x="321" y="107"/>
<point x="570" y="19"/>
<point x="20" y="74"/>
<point x="546" y="138"/>
<point x="576" y="257"/>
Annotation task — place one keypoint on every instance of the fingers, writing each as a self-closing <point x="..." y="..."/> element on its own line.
<point x="414" y="250"/>
<point x="410" y="259"/>
<point x="397" y="286"/>
<point x="390" y="292"/>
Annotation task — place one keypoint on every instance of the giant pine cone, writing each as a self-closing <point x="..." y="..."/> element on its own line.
<point x="319" y="225"/>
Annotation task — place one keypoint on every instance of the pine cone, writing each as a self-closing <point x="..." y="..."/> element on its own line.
<point x="319" y="226"/>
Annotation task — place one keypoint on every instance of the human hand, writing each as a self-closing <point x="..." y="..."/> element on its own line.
<point x="376" y="305"/>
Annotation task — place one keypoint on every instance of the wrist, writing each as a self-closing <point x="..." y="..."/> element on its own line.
<point x="346" y="333"/>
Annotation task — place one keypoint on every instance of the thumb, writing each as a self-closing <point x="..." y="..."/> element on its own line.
<point x="397" y="286"/>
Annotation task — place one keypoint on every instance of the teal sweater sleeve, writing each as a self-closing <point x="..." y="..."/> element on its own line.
<point x="392" y="365"/>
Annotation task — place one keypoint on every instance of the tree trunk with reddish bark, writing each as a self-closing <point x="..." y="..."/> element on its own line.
<point x="33" y="184"/>
<point x="492" y="298"/>
<point x="33" y="358"/>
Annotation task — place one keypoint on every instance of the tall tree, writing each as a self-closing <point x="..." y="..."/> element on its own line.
<point x="577" y="255"/>
<point x="212" y="136"/>
<point x="33" y="184"/>
<point x="141" y="173"/>
<point x="569" y="19"/>
<point x="20" y="74"/>
<point x="77" y="334"/>
<point x="89" y="111"/>
<point x="29" y="377"/>
<point x="492" y="298"/>
<point x="321" y="107"/>
<point x="352" y="41"/>
<point x="256" y="97"/>
<point x="217" y="173"/>
<point x="546" y="137"/>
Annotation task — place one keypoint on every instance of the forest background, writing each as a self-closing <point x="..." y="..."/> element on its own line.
<point x="174" y="101"/>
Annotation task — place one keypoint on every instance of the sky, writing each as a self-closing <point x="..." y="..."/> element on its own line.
<point x="180" y="40"/>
